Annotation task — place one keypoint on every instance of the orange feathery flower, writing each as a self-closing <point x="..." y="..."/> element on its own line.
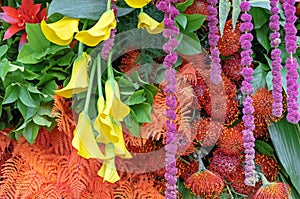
<point x="232" y="68"/>
<point x="229" y="43"/>
<point x="186" y="168"/>
<point x="129" y="60"/>
<point x="231" y="141"/>
<point x="205" y="184"/>
<point x="198" y="7"/>
<point x="268" y="166"/>
<point x="274" y="190"/>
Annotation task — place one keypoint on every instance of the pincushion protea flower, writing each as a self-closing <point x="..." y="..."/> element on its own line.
<point x="267" y="165"/>
<point x="198" y="7"/>
<point x="231" y="141"/>
<point x="186" y="167"/>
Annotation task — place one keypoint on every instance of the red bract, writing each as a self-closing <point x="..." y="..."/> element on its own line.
<point x="28" y="12"/>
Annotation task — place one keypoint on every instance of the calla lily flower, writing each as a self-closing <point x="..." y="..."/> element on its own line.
<point x="120" y="147"/>
<point x="108" y="170"/>
<point x="62" y="31"/>
<point x="104" y="125"/>
<point x="137" y="3"/>
<point x="100" y="31"/>
<point x="79" y="79"/>
<point x="114" y="106"/>
<point x="152" y="26"/>
<point x="84" y="140"/>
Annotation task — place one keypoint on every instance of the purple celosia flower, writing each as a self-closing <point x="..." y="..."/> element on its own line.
<point x="247" y="90"/>
<point x="108" y="45"/>
<point x="293" y="115"/>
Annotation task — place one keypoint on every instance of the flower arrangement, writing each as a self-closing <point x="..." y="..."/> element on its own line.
<point x="149" y="99"/>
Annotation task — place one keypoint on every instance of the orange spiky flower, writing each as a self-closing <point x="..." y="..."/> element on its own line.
<point x="198" y="7"/>
<point x="272" y="190"/>
<point x="231" y="141"/>
<point x="229" y="43"/>
<point x="186" y="167"/>
<point x="129" y="60"/>
<point x="232" y="68"/>
<point x="268" y="166"/>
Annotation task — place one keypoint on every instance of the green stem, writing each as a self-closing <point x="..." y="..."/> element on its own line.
<point x="89" y="92"/>
<point x="108" y="5"/>
<point x="142" y="10"/>
<point x="200" y="162"/>
<point x="80" y="45"/>
<point x="99" y="75"/>
<point x="263" y="179"/>
<point x="110" y="72"/>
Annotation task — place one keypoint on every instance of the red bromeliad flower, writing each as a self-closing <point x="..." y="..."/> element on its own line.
<point x="28" y="12"/>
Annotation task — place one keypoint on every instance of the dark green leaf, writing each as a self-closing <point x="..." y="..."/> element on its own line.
<point x="184" y="5"/>
<point x="30" y="132"/>
<point x="132" y="124"/>
<point x="3" y="50"/>
<point x="263" y="36"/>
<point x="259" y="77"/>
<point x="26" y="98"/>
<point x="235" y="11"/>
<point x="188" y="44"/>
<point x="263" y="148"/>
<point x="259" y="17"/>
<point x="136" y="98"/>
<point x="181" y="19"/>
<point x="286" y="140"/>
<point x="26" y="111"/>
<point x="185" y="192"/>
<point x="4" y="67"/>
<point x="143" y="112"/>
<point x="224" y="8"/>
<point x="41" y="120"/>
<point x="11" y="94"/>
<point x="66" y="59"/>
<point x="195" y="21"/>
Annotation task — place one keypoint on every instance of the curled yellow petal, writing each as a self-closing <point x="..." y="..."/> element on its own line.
<point x="137" y="3"/>
<point x="100" y="31"/>
<point x="79" y="78"/>
<point x="104" y="125"/>
<point x="60" y="32"/>
<point x="114" y="106"/>
<point x="120" y="147"/>
<point x="84" y="140"/>
<point x="152" y="26"/>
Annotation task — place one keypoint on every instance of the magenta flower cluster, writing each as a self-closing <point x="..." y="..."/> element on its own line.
<point x="291" y="63"/>
<point x="213" y="38"/>
<point x="247" y="90"/>
<point x="108" y="45"/>
<point x="274" y="25"/>
<point x="171" y="58"/>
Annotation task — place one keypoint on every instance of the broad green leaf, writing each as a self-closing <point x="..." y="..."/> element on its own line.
<point x="66" y="59"/>
<point x="259" y="77"/>
<point x="4" y="68"/>
<point x="269" y="81"/>
<point x="184" y="5"/>
<point x="132" y="124"/>
<point x="11" y="94"/>
<point x="260" y="3"/>
<point x="286" y="140"/>
<point x="263" y="148"/>
<point x="262" y="35"/>
<point x="30" y="132"/>
<point x="224" y="8"/>
<point x="136" y="98"/>
<point x="143" y="112"/>
<point x="26" y="98"/>
<point x="195" y="21"/>
<point x="3" y="50"/>
<point x="181" y="19"/>
<point x="185" y="192"/>
<point x="26" y="111"/>
<point x="41" y="120"/>
<point x="235" y="12"/>
<point x="189" y="44"/>
<point x="259" y="17"/>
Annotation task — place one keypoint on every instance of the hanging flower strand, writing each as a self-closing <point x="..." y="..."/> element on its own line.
<point x="274" y="25"/>
<point x="247" y="90"/>
<point x="213" y="38"/>
<point x="171" y="141"/>
<point x="291" y="62"/>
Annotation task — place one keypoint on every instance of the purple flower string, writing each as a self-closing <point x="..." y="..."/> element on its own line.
<point x="171" y="140"/>
<point x="291" y="63"/>
<point x="247" y="90"/>
<point x="213" y="38"/>
<point x="274" y="25"/>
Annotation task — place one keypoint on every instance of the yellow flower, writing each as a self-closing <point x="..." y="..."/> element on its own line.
<point x="120" y="147"/>
<point x="104" y="125"/>
<point x="60" y="32"/>
<point x="152" y="26"/>
<point x="114" y="106"/>
<point x="84" y="140"/>
<point x="79" y="78"/>
<point x="100" y="31"/>
<point x="137" y="3"/>
<point x="108" y="170"/>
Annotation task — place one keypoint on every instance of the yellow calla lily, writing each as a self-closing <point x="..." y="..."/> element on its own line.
<point x="79" y="78"/>
<point x="114" y="106"/>
<point x="84" y="140"/>
<point x="120" y="147"/>
<point x="137" y="3"/>
<point x="152" y="26"/>
<point x="60" y="32"/>
<point x="100" y="31"/>
<point x="104" y="125"/>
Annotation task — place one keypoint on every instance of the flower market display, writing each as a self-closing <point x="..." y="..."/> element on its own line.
<point x="135" y="99"/>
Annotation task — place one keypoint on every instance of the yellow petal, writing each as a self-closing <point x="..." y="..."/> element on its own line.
<point x="79" y="78"/>
<point x="120" y="147"/>
<point x="114" y="106"/>
<point x="100" y="31"/>
<point x="152" y="26"/>
<point x="60" y="32"/>
<point x="137" y="3"/>
<point x="108" y="170"/>
<point x="84" y="140"/>
<point x="103" y="124"/>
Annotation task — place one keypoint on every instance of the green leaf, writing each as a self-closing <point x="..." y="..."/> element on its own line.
<point x="259" y="17"/>
<point x="37" y="47"/>
<point x="263" y="148"/>
<point x="4" y="68"/>
<point x="11" y="94"/>
<point x="195" y="21"/>
<point x="189" y="44"/>
<point x="41" y="120"/>
<point x="26" y="111"/>
<point x="184" y="5"/>
<point x="259" y="75"/>
<point x="260" y="3"/>
<point x="224" y="8"/>
<point x="262" y="35"/>
<point x="143" y="112"/>
<point x="66" y="59"/>
<point x="26" y="98"/>
<point x="3" y="50"/>
<point x="30" y="132"/>
<point x="286" y="140"/>
<point x="185" y="192"/>
<point x="182" y="20"/>
<point x="132" y="124"/>
<point x="136" y="98"/>
<point x="235" y="12"/>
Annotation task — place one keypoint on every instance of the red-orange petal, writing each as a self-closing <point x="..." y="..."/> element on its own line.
<point x="13" y="29"/>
